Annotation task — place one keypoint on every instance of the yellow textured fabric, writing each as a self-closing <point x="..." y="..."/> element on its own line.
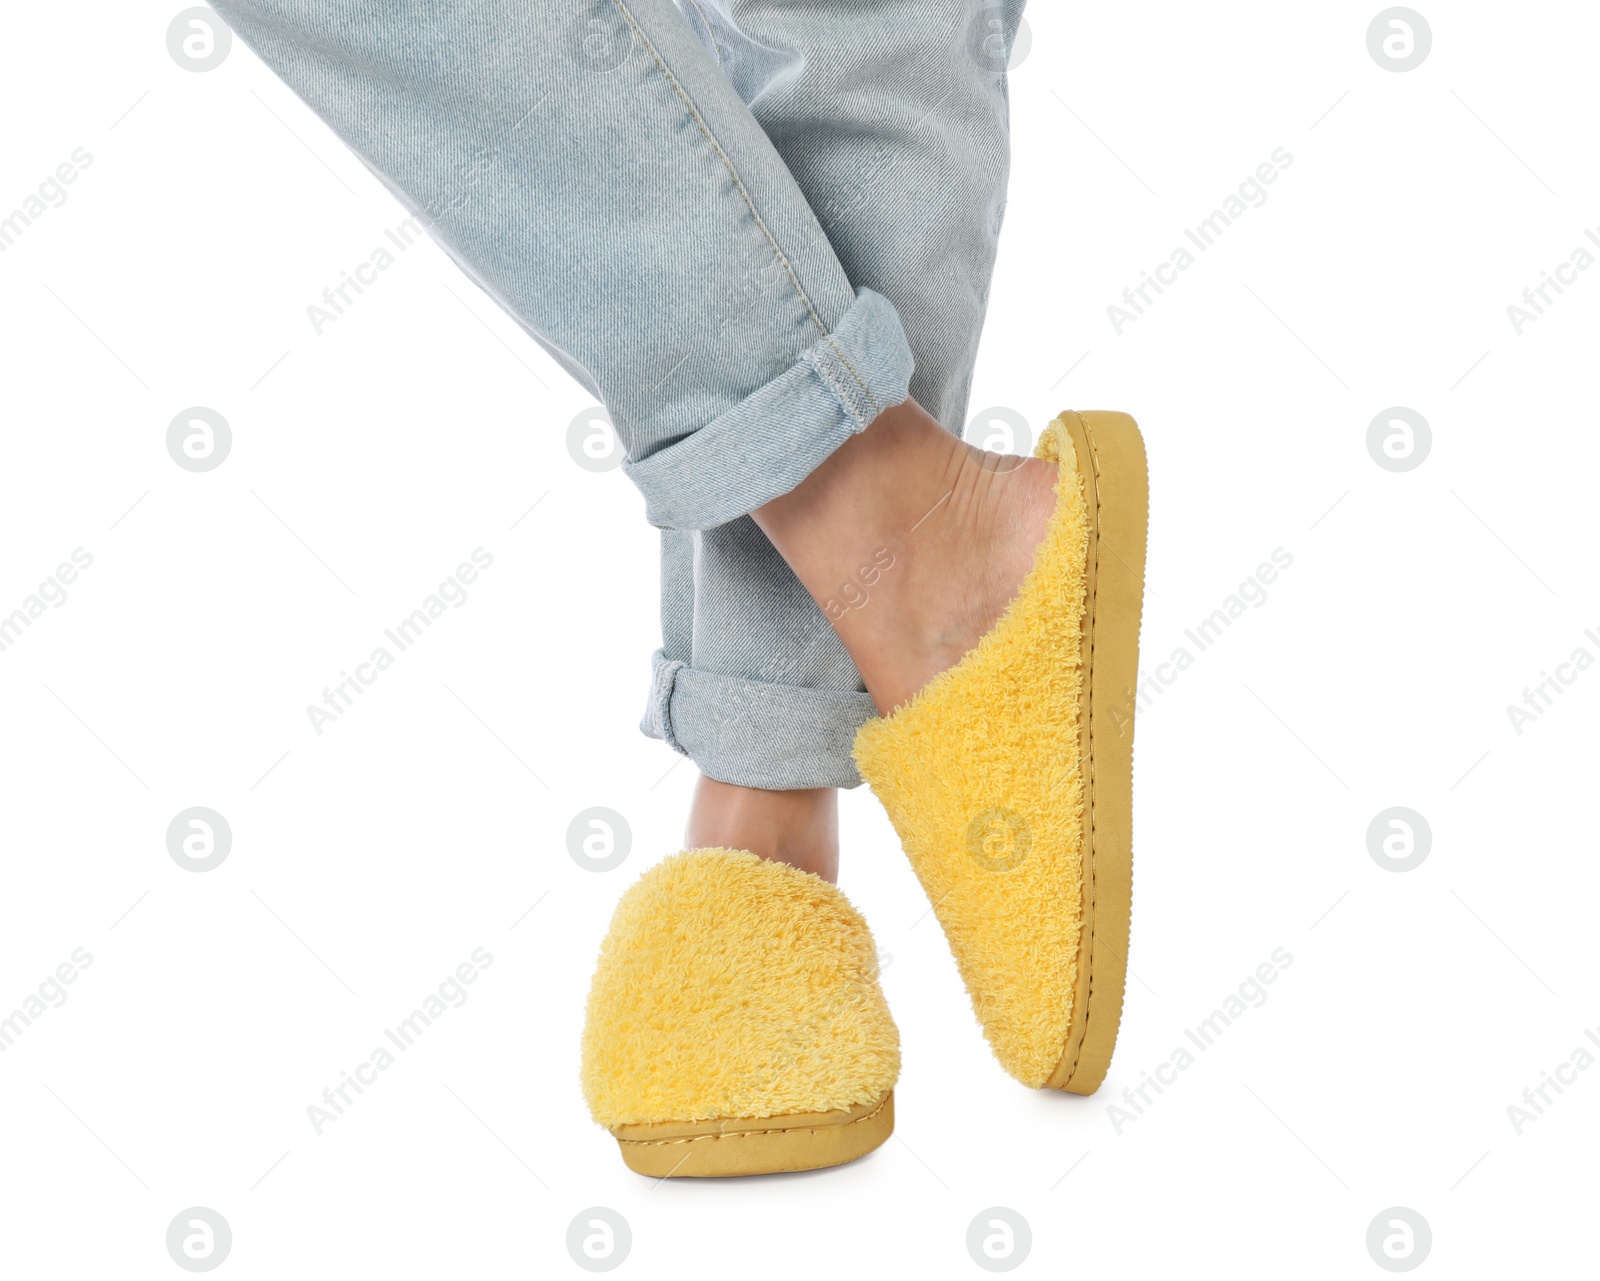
<point x="981" y="777"/>
<point x="732" y="987"/>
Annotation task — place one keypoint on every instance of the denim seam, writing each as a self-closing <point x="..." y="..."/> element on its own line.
<point x="744" y="194"/>
<point x="664" y="681"/>
<point x="722" y="60"/>
<point x="845" y="361"/>
<point x="834" y="386"/>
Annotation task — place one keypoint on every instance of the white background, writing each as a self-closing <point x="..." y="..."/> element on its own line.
<point x="429" y="820"/>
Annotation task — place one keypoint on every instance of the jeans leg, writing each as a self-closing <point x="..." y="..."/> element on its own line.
<point x="892" y="117"/>
<point x="751" y="681"/>
<point x="588" y="163"/>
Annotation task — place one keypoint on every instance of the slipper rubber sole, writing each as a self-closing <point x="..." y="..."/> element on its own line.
<point x="760" y="1145"/>
<point x="1111" y="460"/>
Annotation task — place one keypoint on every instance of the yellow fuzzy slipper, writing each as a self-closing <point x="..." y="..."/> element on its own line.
<point x="735" y="1022"/>
<point x="1009" y="776"/>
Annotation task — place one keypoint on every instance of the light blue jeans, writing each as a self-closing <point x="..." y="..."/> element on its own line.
<point x="747" y="226"/>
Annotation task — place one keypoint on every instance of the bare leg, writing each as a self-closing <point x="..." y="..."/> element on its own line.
<point x="913" y="543"/>
<point x="796" y="827"/>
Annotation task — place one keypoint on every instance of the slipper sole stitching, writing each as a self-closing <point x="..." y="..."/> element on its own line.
<point x="750" y="1134"/>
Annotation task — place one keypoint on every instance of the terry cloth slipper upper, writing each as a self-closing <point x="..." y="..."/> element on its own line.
<point x="735" y="1022"/>
<point x="1009" y="776"/>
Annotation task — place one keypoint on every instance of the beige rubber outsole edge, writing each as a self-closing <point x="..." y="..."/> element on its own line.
<point x="1111" y="459"/>
<point x="761" y="1145"/>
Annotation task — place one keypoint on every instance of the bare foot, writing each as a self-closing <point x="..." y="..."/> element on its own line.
<point x="913" y="543"/>
<point x="798" y="827"/>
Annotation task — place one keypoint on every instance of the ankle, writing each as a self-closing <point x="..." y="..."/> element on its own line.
<point x="798" y="827"/>
<point x="912" y="543"/>
<point x="867" y="494"/>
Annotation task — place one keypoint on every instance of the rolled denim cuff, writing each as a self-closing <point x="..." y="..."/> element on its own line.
<point x="776" y="436"/>
<point x="755" y="734"/>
